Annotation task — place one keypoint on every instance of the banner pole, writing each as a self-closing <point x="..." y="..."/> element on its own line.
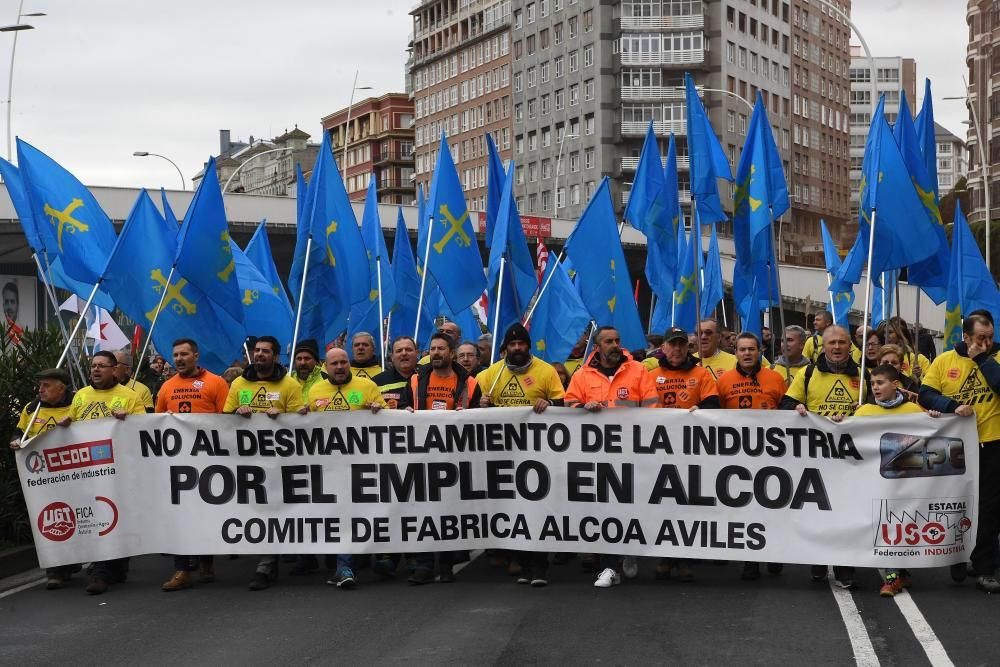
<point x="298" y="305"/>
<point x="865" y="316"/>
<point x="423" y="278"/>
<point x="381" y="321"/>
<point x="777" y="278"/>
<point x="496" y="312"/>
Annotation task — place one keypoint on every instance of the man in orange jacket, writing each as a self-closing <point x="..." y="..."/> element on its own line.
<point x="611" y="379"/>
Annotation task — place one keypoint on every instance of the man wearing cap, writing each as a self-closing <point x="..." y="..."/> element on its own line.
<point x="193" y="390"/>
<point x="364" y="362"/>
<point x="123" y="373"/>
<point x="307" y="368"/>
<point x="54" y="403"/>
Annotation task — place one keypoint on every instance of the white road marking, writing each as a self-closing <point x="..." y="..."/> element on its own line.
<point x="861" y="642"/>
<point x="23" y="587"/>
<point x="922" y="630"/>
<point x="472" y="556"/>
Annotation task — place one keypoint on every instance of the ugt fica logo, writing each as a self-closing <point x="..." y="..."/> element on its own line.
<point x="59" y="521"/>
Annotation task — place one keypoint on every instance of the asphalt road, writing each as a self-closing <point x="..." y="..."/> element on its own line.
<point x="486" y="618"/>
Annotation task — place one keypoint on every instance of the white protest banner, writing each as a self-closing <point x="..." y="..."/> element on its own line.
<point x="714" y="484"/>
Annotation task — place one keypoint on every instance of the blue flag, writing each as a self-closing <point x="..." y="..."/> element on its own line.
<point x="884" y="297"/>
<point x="204" y="253"/>
<point x="970" y="287"/>
<point x="67" y="215"/>
<point x="258" y="251"/>
<point x="684" y="313"/>
<point x="265" y="313"/>
<point x="404" y="274"/>
<point x="168" y="213"/>
<point x="927" y="135"/>
<point x="661" y="246"/>
<point x="646" y="209"/>
<point x="38" y="239"/>
<point x="366" y="316"/>
<point x="602" y="276"/>
<point x="840" y="302"/>
<point x="138" y="277"/>
<point x="301" y="193"/>
<point x="904" y="235"/>
<point x="519" y="278"/>
<point x="712" y="290"/>
<point x="454" y="258"/>
<point x="932" y="273"/>
<point x="495" y="177"/>
<point x="708" y="161"/>
<point x="559" y="316"/>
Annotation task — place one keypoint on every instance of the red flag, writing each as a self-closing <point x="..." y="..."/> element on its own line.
<point x="637" y="291"/>
<point x="136" y="339"/>
<point x="14" y="332"/>
<point x="541" y="259"/>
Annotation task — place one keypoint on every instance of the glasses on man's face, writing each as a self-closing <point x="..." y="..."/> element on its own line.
<point x="102" y="366"/>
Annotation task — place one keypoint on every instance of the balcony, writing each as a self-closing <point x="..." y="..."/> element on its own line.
<point x="392" y="156"/>
<point x="662" y="22"/>
<point x="683" y="195"/>
<point x="690" y="57"/>
<point x="637" y="128"/>
<point x="396" y="184"/>
<point x="652" y="93"/>
<point x="631" y="163"/>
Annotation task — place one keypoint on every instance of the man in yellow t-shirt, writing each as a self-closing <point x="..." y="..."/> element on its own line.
<point x="714" y="359"/>
<point x="54" y="404"/>
<point x="966" y="381"/>
<point x="364" y="362"/>
<point x="267" y="387"/>
<point x="123" y="373"/>
<point x="519" y="379"/>
<point x="342" y="389"/>
<point x="814" y="343"/>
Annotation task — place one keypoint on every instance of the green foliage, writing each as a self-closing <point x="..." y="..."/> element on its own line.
<point x="20" y="358"/>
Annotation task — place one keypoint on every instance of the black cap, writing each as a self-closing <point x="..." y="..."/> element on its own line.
<point x="675" y="333"/>
<point x="308" y="345"/>
<point x="54" y="374"/>
<point x="516" y="332"/>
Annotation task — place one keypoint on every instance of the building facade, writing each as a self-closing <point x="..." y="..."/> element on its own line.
<point x="262" y="167"/>
<point x="820" y="126"/>
<point x="983" y="62"/>
<point x="460" y="71"/>
<point x="952" y="159"/>
<point x="374" y="139"/>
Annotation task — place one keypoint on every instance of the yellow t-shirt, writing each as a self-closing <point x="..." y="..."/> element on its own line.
<point x="571" y="365"/>
<point x="786" y="371"/>
<point x="719" y="363"/>
<point x="284" y="394"/>
<point x="367" y="372"/>
<point x="357" y="394"/>
<point x="145" y="395"/>
<point x="828" y="394"/>
<point x="871" y="410"/>
<point x="45" y="420"/>
<point x="959" y="379"/>
<point x="91" y="403"/>
<point x="651" y="363"/>
<point x="813" y="347"/>
<point x="509" y="389"/>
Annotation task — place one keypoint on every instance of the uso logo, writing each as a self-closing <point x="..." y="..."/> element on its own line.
<point x="57" y="522"/>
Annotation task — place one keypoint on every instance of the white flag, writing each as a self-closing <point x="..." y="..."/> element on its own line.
<point x="106" y="333"/>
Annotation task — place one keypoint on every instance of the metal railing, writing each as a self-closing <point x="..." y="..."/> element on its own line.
<point x="662" y="22"/>
<point x="652" y="93"/>
<point x="632" y="163"/>
<point x="661" y="127"/>
<point x="692" y="56"/>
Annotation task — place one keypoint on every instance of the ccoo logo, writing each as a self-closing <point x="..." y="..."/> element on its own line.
<point x="57" y="522"/>
<point x="34" y="462"/>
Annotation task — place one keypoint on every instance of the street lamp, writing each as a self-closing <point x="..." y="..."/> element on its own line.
<point x="982" y="163"/>
<point x="347" y="123"/>
<point x="248" y="161"/>
<point x="731" y="94"/>
<point x="555" y="190"/>
<point x="16" y="28"/>
<point x="148" y="154"/>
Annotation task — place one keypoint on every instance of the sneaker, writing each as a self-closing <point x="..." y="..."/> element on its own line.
<point x="343" y="579"/>
<point x="539" y="582"/>
<point x="684" y="573"/>
<point x="775" y="568"/>
<point x="384" y="567"/>
<point x="608" y="578"/>
<point x="892" y="585"/>
<point x="260" y="581"/>
<point x="178" y="582"/>
<point x="988" y="584"/>
<point x="751" y="572"/>
<point x="958" y="572"/>
<point x="96" y="586"/>
<point x="206" y="574"/>
<point x="447" y="575"/>
<point x="420" y="576"/>
<point x="55" y="582"/>
<point x="818" y="573"/>
<point x="630" y="567"/>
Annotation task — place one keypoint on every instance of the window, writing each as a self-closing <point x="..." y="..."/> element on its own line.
<point x="574" y="61"/>
<point x="731" y="121"/>
<point x="533" y="172"/>
<point x="588" y="55"/>
<point x="743" y="124"/>
<point x="559" y="66"/>
<point x="544" y="72"/>
<point x="574" y="161"/>
<point x="588" y="124"/>
<point x="546" y="138"/>
<point x="529" y="44"/>
<point x="574" y="94"/>
<point x="531" y="109"/>
<point x="543" y="39"/>
<point x="588" y="89"/>
<point x="544" y="8"/>
<point x="546" y="104"/>
<point x="532" y="141"/>
<point x="531" y="77"/>
<point x="546" y="199"/>
<point x="574" y="194"/>
<point x="560" y="99"/>
<point x="588" y="20"/>
<point x="557" y="33"/>
<point x="546" y="168"/>
<point x="730" y="50"/>
<point x="530" y="10"/>
<point x="518" y="19"/>
<point x="588" y="159"/>
<point x="573" y="26"/>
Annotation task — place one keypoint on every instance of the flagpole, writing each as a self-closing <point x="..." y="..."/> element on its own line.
<point x="916" y="324"/>
<point x="777" y="279"/>
<point x="156" y="316"/>
<point x="496" y="311"/>
<point x="50" y="293"/>
<point x="423" y="277"/>
<point x="381" y="322"/>
<point x="832" y="300"/>
<point x="652" y="307"/>
<point x="298" y="305"/>
<point x="864" y="317"/>
<point x="696" y="248"/>
<point x="590" y="340"/>
<point x="538" y="297"/>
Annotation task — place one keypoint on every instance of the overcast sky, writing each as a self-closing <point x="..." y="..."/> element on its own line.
<point x="98" y="80"/>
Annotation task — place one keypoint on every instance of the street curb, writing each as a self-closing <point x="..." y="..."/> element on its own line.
<point x="17" y="560"/>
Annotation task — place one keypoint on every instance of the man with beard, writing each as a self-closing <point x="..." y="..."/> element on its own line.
<point x="364" y="362"/>
<point x="829" y="388"/>
<point x="192" y="390"/>
<point x="342" y="391"/>
<point x="104" y="397"/>
<point x="307" y="369"/>
<point x="611" y="379"/>
<point x="265" y="386"/>
<point x="123" y="373"/>
<point x="393" y="381"/>
<point x="522" y="380"/>
<point x="440" y="385"/>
